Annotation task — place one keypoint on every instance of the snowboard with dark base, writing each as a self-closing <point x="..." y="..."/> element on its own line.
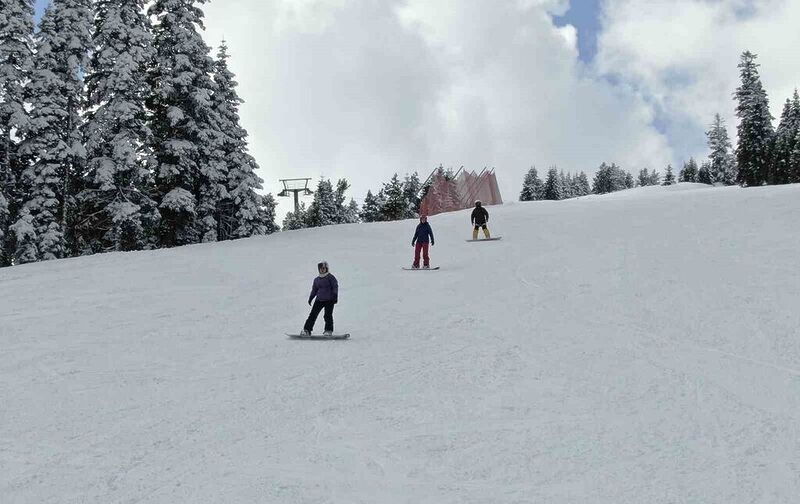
<point x="421" y="269"/>
<point x="485" y="239"/>
<point x="319" y="336"/>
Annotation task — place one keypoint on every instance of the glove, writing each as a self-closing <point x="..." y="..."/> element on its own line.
<point x="412" y="244"/>
<point x="309" y="302"/>
<point x="432" y="244"/>
<point x="336" y="300"/>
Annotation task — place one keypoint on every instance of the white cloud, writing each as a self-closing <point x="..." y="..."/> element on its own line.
<point x="365" y="88"/>
<point x="682" y="55"/>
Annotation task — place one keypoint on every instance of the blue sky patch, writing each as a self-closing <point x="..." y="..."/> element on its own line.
<point x="40" y="6"/>
<point x="584" y="15"/>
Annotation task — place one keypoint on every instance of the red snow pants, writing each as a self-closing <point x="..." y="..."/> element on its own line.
<point x="421" y="247"/>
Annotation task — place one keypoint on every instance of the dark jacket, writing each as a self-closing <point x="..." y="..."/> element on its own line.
<point x="423" y="234"/>
<point x="325" y="289"/>
<point x="480" y="216"/>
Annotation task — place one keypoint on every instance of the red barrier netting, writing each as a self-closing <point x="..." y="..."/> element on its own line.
<point x="449" y="193"/>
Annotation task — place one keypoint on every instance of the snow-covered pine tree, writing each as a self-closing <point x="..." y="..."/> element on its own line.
<point x="372" y="209"/>
<point x="187" y="145"/>
<point x="755" y="125"/>
<point x="669" y="177"/>
<point x="342" y="185"/>
<point x="795" y="160"/>
<point x="323" y="211"/>
<point x="603" y="180"/>
<point x="532" y="186"/>
<point x="351" y="213"/>
<point x="553" y="188"/>
<point x="243" y="212"/>
<point x="655" y="178"/>
<point x="630" y="182"/>
<point x="781" y="170"/>
<point x="704" y="173"/>
<point x="52" y="142"/>
<point x="582" y="183"/>
<point x="689" y="171"/>
<point x="115" y="207"/>
<point x="411" y="190"/>
<point x="611" y="178"/>
<point x="16" y="64"/>
<point x="346" y="213"/>
<point x="267" y="214"/>
<point x="644" y="177"/>
<point x="395" y="207"/>
<point x="565" y="185"/>
<point x="783" y="141"/>
<point x="723" y="162"/>
<point x="296" y="220"/>
<point x="794" y="157"/>
<point x="568" y="185"/>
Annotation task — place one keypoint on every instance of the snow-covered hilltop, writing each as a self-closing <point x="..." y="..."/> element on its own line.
<point x="638" y="347"/>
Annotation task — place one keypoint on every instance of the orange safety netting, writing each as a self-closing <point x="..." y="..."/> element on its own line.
<point x="448" y="194"/>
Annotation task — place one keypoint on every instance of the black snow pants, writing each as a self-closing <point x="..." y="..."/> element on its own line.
<point x="312" y="317"/>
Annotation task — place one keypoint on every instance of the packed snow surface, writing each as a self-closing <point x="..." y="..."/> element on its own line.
<point x="641" y="347"/>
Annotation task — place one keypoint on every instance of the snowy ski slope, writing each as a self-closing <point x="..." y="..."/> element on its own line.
<point x="640" y="347"/>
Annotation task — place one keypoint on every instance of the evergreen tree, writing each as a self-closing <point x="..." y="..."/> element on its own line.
<point x="568" y="184"/>
<point x="553" y="188"/>
<point x="644" y="177"/>
<point x="395" y="207"/>
<point x="323" y="211"/>
<point x="565" y="189"/>
<point x="52" y="140"/>
<point x="582" y="184"/>
<point x="411" y="189"/>
<point x="755" y="125"/>
<point x="795" y="160"/>
<point x="351" y="213"/>
<point x="669" y="178"/>
<point x="704" y="174"/>
<point x="267" y="214"/>
<point x="16" y="64"/>
<point x="781" y="170"/>
<point x="117" y="212"/>
<point x="689" y="171"/>
<point x="630" y="183"/>
<point x="723" y="163"/>
<point x="242" y="212"/>
<point x="794" y="156"/>
<point x="339" y="196"/>
<point x="295" y="220"/>
<point x="372" y="209"/>
<point x="532" y="186"/>
<point x="189" y="169"/>
<point x="611" y="178"/>
<point x="655" y="178"/>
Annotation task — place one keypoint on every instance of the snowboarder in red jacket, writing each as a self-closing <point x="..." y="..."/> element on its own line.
<point x="326" y="289"/>
<point x="423" y="236"/>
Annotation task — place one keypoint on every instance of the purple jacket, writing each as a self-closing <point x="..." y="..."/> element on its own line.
<point x="325" y="289"/>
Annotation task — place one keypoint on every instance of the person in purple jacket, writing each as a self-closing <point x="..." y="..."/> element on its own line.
<point x="326" y="290"/>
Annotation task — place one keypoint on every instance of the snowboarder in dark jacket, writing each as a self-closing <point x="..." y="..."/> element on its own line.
<point x="423" y="236"/>
<point x="480" y="219"/>
<point x="326" y="289"/>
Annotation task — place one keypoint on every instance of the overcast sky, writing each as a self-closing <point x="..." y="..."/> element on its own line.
<point x="365" y="88"/>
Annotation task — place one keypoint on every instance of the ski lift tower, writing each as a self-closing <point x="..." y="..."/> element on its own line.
<point x="295" y="186"/>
